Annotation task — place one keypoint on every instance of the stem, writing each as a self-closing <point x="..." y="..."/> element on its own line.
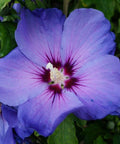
<point x="65" y="6"/>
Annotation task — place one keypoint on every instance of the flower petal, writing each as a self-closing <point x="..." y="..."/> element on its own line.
<point x="86" y="35"/>
<point x="99" y="87"/>
<point x="9" y="137"/>
<point x="43" y="114"/>
<point x="39" y="34"/>
<point x="10" y="115"/>
<point x="19" y="79"/>
<point x="23" y="132"/>
<point x="6" y="135"/>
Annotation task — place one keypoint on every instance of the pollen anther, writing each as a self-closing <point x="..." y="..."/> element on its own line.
<point x="56" y="75"/>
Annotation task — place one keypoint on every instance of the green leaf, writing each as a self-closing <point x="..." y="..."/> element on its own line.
<point x="79" y="122"/>
<point x="86" y="3"/>
<point x="106" y="6"/>
<point x="7" y="40"/>
<point x="99" y="140"/>
<point x="64" y="133"/>
<point x="34" y="4"/>
<point x="93" y="131"/>
<point x="116" y="139"/>
<point x="36" y="133"/>
<point x="30" y="4"/>
<point x="3" y="3"/>
<point x="40" y="4"/>
<point x="118" y="1"/>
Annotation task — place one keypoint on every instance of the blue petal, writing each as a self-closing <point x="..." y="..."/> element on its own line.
<point x="6" y="134"/>
<point x="44" y="115"/>
<point x="19" y="79"/>
<point x="10" y="115"/>
<point x="99" y="87"/>
<point x="39" y="34"/>
<point x="86" y="35"/>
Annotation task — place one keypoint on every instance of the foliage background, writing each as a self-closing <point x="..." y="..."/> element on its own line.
<point x="72" y="130"/>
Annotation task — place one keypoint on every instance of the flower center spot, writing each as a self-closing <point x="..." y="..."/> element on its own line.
<point x="56" y="76"/>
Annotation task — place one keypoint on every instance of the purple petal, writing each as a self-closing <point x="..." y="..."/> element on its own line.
<point x="116" y="112"/>
<point x="10" y="115"/>
<point x="86" y="35"/>
<point x="17" y="7"/>
<point x="6" y="135"/>
<point x="39" y="34"/>
<point x="99" y="87"/>
<point x="23" y="132"/>
<point x="3" y="127"/>
<point x="9" y="137"/>
<point x="19" y="79"/>
<point x="45" y="112"/>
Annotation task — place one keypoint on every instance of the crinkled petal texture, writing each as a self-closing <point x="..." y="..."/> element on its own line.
<point x="98" y="87"/>
<point x="19" y="79"/>
<point x="38" y="34"/>
<point x="43" y="114"/>
<point x="86" y="35"/>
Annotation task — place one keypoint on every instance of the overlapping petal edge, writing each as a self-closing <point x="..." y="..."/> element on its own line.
<point x="8" y="122"/>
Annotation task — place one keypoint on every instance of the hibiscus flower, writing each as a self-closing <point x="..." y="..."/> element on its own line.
<point x="61" y="66"/>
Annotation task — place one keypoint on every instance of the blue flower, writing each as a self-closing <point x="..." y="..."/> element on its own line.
<point x="61" y="66"/>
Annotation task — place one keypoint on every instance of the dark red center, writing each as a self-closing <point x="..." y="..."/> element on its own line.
<point x="69" y="69"/>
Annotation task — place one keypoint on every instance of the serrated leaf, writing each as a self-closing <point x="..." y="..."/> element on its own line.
<point x="3" y="3"/>
<point x="7" y="41"/>
<point x="64" y="133"/>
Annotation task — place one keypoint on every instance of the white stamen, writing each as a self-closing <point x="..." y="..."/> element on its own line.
<point x="49" y="66"/>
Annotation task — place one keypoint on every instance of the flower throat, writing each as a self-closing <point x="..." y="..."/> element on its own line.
<point x="56" y="76"/>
